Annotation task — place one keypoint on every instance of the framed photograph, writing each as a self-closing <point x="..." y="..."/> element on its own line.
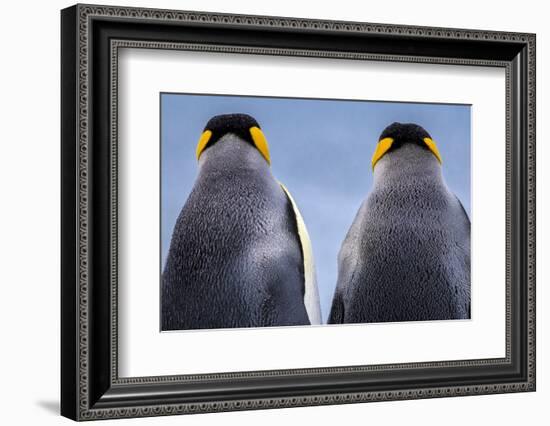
<point x="263" y="212"/>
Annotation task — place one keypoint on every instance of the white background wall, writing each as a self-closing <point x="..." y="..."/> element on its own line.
<point x="29" y="225"/>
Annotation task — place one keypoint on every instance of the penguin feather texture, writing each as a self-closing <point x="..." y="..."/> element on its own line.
<point x="406" y="256"/>
<point x="235" y="258"/>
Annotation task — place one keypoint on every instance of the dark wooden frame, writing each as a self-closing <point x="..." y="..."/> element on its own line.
<point x="90" y="386"/>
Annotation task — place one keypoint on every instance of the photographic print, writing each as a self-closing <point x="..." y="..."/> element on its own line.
<point x="306" y="194"/>
<point x="297" y="212"/>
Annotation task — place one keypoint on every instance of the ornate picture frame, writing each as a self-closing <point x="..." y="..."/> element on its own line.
<point x="91" y="37"/>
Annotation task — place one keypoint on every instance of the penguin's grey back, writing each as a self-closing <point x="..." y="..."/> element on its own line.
<point x="406" y="256"/>
<point x="234" y="259"/>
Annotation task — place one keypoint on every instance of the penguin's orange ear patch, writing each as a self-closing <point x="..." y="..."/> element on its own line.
<point x="203" y="141"/>
<point x="383" y="146"/>
<point x="260" y="142"/>
<point x="433" y="147"/>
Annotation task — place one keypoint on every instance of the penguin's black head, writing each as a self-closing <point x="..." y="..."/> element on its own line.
<point x="242" y="125"/>
<point x="397" y="134"/>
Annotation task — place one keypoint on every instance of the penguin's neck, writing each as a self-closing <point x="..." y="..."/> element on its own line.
<point x="409" y="163"/>
<point x="232" y="155"/>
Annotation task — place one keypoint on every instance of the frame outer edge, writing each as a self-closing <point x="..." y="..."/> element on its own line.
<point x="531" y="213"/>
<point x="83" y="13"/>
<point x="69" y="189"/>
<point x="83" y="83"/>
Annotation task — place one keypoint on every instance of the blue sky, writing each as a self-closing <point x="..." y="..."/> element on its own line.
<point x="320" y="149"/>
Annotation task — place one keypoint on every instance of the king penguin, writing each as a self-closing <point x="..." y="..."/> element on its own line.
<point x="240" y="254"/>
<point x="406" y="256"/>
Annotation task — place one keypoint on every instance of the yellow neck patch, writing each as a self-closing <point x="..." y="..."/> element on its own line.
<point x="383" y="146"/>
<point x="261" y="142"/>
<point x="203" y="141"/>
<point x="433" y="147"/>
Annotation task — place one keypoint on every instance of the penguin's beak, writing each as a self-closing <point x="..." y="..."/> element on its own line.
<point x="203" y="141"/>
<point x="381" y="148"/>
<point x="433" y="147"/>
<point x="260" y="142"/>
